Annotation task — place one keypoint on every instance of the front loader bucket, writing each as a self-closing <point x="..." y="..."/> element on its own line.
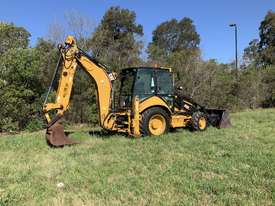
<point x="218" y="118"/>
<point x="56" y="137"/>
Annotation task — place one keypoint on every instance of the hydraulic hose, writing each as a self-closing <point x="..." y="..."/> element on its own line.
<point x="53" y="78"/>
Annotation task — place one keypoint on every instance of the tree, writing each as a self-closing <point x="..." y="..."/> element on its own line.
<point x="81" y="27"/>
<point x="267" y="39"/>
<point x="115" y="40"/>
<point x="183" y="62"/>
<point x="251" y="55"/>
<point x="268" y="80"/>
<point x="47" y="56"/>
<point x="12" y="36"/>
<point x="173" y="36"/>
<point x="20" y="95"/>
<point x="176" y="44"/>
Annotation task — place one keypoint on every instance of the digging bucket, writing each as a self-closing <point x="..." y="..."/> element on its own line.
<point x="55" y="134"/>
<point x="218" y="118"/>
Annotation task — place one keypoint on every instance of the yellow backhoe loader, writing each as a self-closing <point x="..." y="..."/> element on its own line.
<point x="147" y="103"/>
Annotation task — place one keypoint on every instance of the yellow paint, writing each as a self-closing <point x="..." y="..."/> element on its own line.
<point x="70" y="40"/>
<point x="157" y="125"/>
<point x="136" y="116"/>
<point x="109" y="122"/>
<point x="153" y="101"/>
<point x="179" y="121"/>
<point x="202" y="123"/>
<point x="103" y="85"/>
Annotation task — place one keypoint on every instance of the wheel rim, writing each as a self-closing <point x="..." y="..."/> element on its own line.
<point x="202" y="123"/>
<point x="157" y="125"/>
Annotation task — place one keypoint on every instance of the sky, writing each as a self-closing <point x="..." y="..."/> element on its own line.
<point x="211" y="18"/>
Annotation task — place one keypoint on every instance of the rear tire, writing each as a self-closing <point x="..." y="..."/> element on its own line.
<point x="199" y="121"/>
<point x="154" y="121"/>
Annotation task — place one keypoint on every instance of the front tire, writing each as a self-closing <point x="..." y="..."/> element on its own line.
<point x="199" y="121"/>
<point x="154" y="122"/>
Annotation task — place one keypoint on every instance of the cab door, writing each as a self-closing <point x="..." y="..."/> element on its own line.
<point x="145" y="85"/>
<point x="164" y="88"/>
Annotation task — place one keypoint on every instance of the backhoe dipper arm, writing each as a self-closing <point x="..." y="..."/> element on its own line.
<point x="72" y="58"/>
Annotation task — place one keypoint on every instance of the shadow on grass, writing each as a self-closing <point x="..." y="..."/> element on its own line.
<point x="105" y="134"/>
<point x="99" y="133"/>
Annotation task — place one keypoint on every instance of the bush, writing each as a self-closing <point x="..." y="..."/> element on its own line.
<point x="35" y="124"/>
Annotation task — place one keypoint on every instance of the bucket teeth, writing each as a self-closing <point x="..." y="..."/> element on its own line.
<point x="56" y="137"/>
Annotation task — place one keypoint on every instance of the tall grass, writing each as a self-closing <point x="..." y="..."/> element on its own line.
<point x="234" y="166"/>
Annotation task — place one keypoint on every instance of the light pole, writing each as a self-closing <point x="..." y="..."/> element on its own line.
<point x="236" y="45"/>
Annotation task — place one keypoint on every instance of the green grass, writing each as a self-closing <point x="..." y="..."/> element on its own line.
<point x="233" y="166"/>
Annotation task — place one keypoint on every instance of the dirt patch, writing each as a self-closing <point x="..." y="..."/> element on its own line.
<point x="2" y="134"/>
<point x="5" y="134"/>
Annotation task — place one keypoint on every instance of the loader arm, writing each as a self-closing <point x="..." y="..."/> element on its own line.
<point x="72" y="59"/>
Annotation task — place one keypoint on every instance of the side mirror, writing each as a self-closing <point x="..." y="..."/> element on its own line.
<point x="180" y="88"/>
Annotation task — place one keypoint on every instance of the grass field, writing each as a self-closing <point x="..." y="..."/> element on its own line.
<point x="233" y="166"/>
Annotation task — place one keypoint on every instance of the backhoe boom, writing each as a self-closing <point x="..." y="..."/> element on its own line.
<point x="72" y="59"/>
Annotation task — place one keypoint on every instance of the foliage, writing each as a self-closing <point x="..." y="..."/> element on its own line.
<point x="48" y="56"/>
<point x="260" y="52"/>
<point x="35" y="124"/>
<point x="251" y="90"/>
<point x="251" y="54"/>
<point x="115" y="40"/>
<point x="173" y="36"/>
<point x="12" y="37"/>
<point x="20" y="95"/>
<point x="267" y="40"/>
<point x="268" y="79"/>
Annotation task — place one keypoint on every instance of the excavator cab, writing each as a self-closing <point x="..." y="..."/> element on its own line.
<point x="145" y="82"/>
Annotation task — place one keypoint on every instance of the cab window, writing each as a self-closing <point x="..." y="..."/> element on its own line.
<point x="164" y="82"/>
<point x="145" y="85"/>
